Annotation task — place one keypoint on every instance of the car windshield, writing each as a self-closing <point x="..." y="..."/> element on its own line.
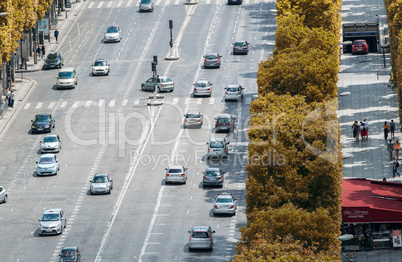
<point x="112" y="30"/>
<point x="100" y="63"/>
<point x="212" y="173"/>
<point x="50" y="217"/>
<point x="359" y="43"/>
<point x="50" y="139"/>
<point x="99" y="179"/>
<point x="231" y="89"/>
<point x="46" y="160"/>
<point x="216" y="144"/>
<point x="52" y="56"/>
<point x="211" y="57"/>
<point x="192" y="116"/>
<point x="200" y="235"/>
<point x="224" y="200"/>
<point x="223" y="121"/>
<point x="68" y="253"/>
<point x="43" y="118"/>
<point x="174" y="170"/>
<point x="65" y="75"/>
<point x="240" y="44"/>
<point x="201" y="84"/>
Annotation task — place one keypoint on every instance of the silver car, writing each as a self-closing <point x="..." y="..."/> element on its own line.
<point x="67" y="78"/>
<point x="213" y="177"/>
<point x="100" y="67"/>
<point x="217" y="147"/>
<point x="53" y="221"/>
<point x="202" y="88"/>
<point x="212" y="60"/>
<point x="225" y="203"/>
<point x="240" y="47"/>
<point x="176" y="174"/>
<point x="193" y="119"/>
<point x="48" y="164"/>
<point x="163" y="83"/>
<point x="146" y="6"/>
<point x="50" y="144"/>
<point x="112" y="34"/>
<point x="233" y="92"/>
<point x="3" y="195"/>
<point x="201" y="237"/>
<point x="101" y="184"/>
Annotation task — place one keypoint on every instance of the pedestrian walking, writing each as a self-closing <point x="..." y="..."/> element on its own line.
<point x="395" y="167"/>
<point x="367" y="127"/>
<point x="38" y="51"/>
<point x="56" y="35"/>
<point x="396" y="148"/>
<point x="356" y="130"/>
<point x="363" y="131"/>
<point x="386" y="130"/>
<point x="392" y="128"/>
<point x="8" y="92"/>
<point x="12" y="97"/>
<point x="390" y="148"/>
<point x="43" y="51"/>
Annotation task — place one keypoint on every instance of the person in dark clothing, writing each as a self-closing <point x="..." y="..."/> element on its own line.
<point x="356" y="130"/>
<point x="56" y="35"/>
<point x="43" y="50"/>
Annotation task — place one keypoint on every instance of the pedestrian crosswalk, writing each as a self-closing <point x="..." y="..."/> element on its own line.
<point x="113" y="103"/>
<point x="134" y="3"/>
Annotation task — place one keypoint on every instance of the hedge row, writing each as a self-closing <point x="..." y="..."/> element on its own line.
<point x="21" y="15"/>
<point x="394" y="17"/>
<point x="294" y="181"/>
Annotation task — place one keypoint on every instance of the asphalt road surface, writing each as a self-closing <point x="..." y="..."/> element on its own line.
<point x="106" y="126"/>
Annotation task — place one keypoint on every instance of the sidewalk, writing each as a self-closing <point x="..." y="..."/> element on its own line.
<point x="23" y="84"/>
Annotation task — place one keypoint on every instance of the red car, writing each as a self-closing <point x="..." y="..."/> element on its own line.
<point x="360" y="46"/>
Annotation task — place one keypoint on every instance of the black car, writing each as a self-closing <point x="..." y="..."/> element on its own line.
<point x="224" y="123"/>
<point x="235" y="2"/>
<point x="213" y="177"/>
<point x="240" y="47"/>
<point x="42" y="123"/>
<point x="70" y="254"/>
<point x="53" y="60"/>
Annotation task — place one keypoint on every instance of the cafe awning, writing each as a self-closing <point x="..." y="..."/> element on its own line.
<point x="364" y="199"/>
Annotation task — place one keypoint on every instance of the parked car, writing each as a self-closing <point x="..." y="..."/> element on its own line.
<point x="67" y="78"/>
<point x="48" y="164"/>
<point x="101" y="183"/>
<point x="360" y="47"/>
<point x="53" y="60"/>
<point x="225" y="203"/>
<point x="201" y="237"/>
<point x="176" y="174"/>
<point x="213" y="177"/>
<point x="50" y="144"/>
<point x="224" y="122"/>
<point x="112" y="34"/>
<point x="163" y="83"/>
<point x="53" y="221"/>
<point x="212" y="60"/>
<point x="3" y="195"/>
<point x="42" y="123"/>
<point x="70" y="254"/>
<point x="100" y="67"/>
<point x="233" y="92"/>
<point x="217" y="147"/>
<point x="193" y="119"/>
<point x="146" y="6"/>
<point x="202" y="88"/>
<point x="240" y="47"/>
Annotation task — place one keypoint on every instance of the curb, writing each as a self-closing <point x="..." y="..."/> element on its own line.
<point x="28" y="71"/>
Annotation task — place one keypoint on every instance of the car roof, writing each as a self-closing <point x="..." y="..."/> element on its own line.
<point x="52" y="210"/>
<point x="218" y="139"/>
<point x="212" y="54"/>
<point x="213" y="169"/>
<point x="202" y="81"/>
<point x="47" y="155"/>
<point x="193" y="113"/>
<point x="223" y="194"/>
<point x="224" y="116"/>
<point x="201" y="228"/>
<point x="233" y="86"/>
<point x="43" y="114"/>
<point x="51" y="135"/>
<point x="67" y="69"/>
<point x="70" y="248"/>
<point x="101" y="174"/>
<point x="169" y="167"/>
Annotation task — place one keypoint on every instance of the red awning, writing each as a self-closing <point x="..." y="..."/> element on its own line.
<point x="364" y="199"/>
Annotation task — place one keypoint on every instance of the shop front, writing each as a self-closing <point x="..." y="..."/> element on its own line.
<point x="372" y="212"/>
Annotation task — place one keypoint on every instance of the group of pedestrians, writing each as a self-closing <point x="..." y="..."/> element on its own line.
<point x="10" y="96"/>
<point x="360" y="130"/>
<point x="40" y="51"/>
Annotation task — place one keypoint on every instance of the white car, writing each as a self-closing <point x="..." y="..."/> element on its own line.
<point x="100" y="67"/>
<point x="3" y="195"/>
<point x="112" y="34"/>
<point x="233" y="92"/>
<point x="202" y="88"/>
<point x="176" y="174"/>
<point x="225" y="203"/>
<point x="53" y="221"/>
<point x="50" y="144"/>
<point x="48" y="164"/>
<point x="101" y="184"/>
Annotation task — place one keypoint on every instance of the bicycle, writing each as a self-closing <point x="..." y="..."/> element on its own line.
<point x="347" y="256"/>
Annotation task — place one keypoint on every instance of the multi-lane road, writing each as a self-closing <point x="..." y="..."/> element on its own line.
<point x="106" y="126"/>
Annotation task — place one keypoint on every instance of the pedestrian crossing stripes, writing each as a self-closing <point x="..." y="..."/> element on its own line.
<point x="123" y="103"/>
<point x="134" y="3"/>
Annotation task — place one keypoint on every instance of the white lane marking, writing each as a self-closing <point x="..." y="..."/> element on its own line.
<point x="63" y="104"/>
<point x="27" y="105"/>
<point x="39" y="105"/>
<point x="187" y="101"/>
<point x="109" y="4"/>
<point x="247" y="1"/>
<point x="88" y="103"/>
<point x="136" y="101"/>
<point x="158" y="2"/>
<point x="167" y="2"/>
<point x="199" y="101"/>
<point x="177" y="2"/>
<point x="51" y="105"/>
<point x="119" y="3"/>
<point x="129" y="2"/>
<point x="76" y="104"/>
<point x="112" y="103"/>
<point x="211" y="101"/>
<point x="175" y="100"/>
<point x="208" y="2"/>
<point x="100" y="103"/>
<point x="91" y="4"/>
<point x="124" y="103"/>
<point x="100" y="4"/>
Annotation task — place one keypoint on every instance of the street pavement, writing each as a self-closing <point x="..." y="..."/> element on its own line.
<point x="106" y="126"/>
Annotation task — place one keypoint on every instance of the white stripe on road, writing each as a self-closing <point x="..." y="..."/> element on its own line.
<point x="175" y="100"/>
<point x="124" y="103"/>
<point x="187" y="101"/>
<point x="129" y="3"/>
<point x="177" y="2"/>
<point x="167" y="2"/>
<point x="199" y="101"/>
<point x="91" y="4"/>
<point x="39" y="105"/>
<point x="100" y="4"/>
<point x="88" y="103"/>
<point x="158" y="2"/>
<point x="109" y="4"/>
<point x="63" y="104"/>
<point x="211" y="101"/>
<point x="100" y="103"/>
<point x="136" y="101"/>
<point x="208" y="2"/>
<point x="119" y="3"/>
<point x="112" y="103"/>
<point x="51" y="105"/>
<point x="27" y="105"/>
<point x="76" y="104"/>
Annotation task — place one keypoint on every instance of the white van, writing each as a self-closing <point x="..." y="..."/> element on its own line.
<point x="67" y="78"/>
